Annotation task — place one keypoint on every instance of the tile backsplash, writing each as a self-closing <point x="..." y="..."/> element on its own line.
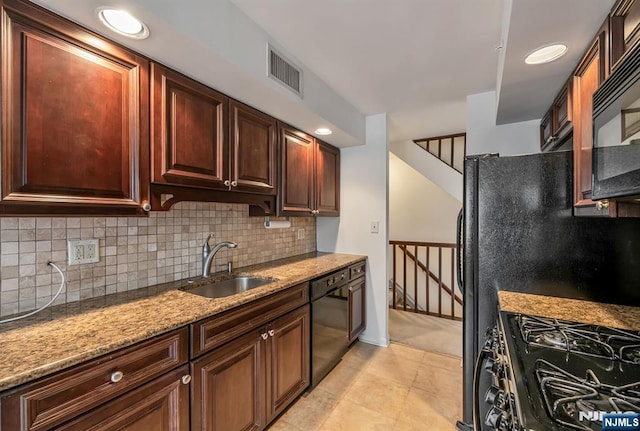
<point x="135" y="252"/>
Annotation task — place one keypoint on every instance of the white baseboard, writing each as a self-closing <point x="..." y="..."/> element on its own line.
<point x="382" y="342"/>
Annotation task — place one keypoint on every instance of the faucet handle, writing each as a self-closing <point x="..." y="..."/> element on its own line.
<point x="205" y="246"/>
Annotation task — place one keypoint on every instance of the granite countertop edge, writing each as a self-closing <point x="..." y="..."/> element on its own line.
<point x="575" y="310"/>
<point x="74" y="333"/>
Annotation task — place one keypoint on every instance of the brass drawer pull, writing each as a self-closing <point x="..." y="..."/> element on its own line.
<point x="186" y="379"/>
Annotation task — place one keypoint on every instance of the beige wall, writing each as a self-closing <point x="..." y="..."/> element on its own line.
<point x="419" y="210"/>
<point x="134" y="251"/>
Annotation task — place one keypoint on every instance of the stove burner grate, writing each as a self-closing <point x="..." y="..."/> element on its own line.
<point x="580" y="338"/>
<point x="566" y="396"/>
<point x="630" y="354"/>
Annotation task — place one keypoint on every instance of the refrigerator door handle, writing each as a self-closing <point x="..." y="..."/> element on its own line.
<point x="459" y="248"/>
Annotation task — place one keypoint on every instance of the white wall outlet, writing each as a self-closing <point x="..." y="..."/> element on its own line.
<point x="300" y="233"/>
<point x="83" y="251"/>
<point x="375" y="227"/>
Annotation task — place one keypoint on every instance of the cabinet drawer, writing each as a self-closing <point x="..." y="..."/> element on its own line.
<point x="162" y="405"/>
<point x="217" y="330"/>
<point x="357" y="270"/>
<point x="56" y="399"/>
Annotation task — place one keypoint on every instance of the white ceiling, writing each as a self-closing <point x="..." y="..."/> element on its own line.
<point x="417" y="60"/>
<point x="414" y="59"/>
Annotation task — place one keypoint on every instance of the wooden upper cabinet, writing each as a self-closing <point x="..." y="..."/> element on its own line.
<point x="310" y="175"/>
<point x="75" y="132"/>
<point x="589" y="74"/>
<point x="556" y="125"/>
<point x="327" y="180"/>
<point x="188" y="140"/>
<point x="625" y="28"/>
<point x="297" y="196"/>
<point x="253" y="148"/>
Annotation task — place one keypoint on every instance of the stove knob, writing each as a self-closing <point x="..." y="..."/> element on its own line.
<point x="492" y="365"/>
<point x="495" y="418"/>
<point x="494" y="396"/>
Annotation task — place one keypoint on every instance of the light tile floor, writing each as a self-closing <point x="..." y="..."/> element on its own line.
<point x="398" y="388"/>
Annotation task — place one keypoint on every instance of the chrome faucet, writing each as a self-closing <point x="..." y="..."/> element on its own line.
<point x="208" y="253"/>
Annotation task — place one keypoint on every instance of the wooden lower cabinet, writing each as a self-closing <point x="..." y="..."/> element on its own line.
<point x="95" y="389"/>
<point x="357" y="307"/>
<point x="162" y="405"/>
<point x="228" y="386"/>
<point x="288" y="359"/>
<point x="247" y="382"/>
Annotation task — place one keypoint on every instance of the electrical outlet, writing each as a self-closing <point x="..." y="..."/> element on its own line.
<point x="300" y="233"/>
<point x="78" y="252"/>
<point x="83" y="251"/>
<point x="90" y="251"/>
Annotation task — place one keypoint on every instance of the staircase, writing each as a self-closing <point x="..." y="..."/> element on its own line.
<point x="424" y="279"/>
<point x="450" y="149"/>
<point x="439" y="159"/>
<point x="402" y="298"/>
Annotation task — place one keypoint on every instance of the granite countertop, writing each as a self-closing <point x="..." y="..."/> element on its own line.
<point x="576" y="310"/>
<point x="69" y="334"/>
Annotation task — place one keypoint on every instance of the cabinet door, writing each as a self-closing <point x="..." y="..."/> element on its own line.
<point x="327" y="180"/>
<point x="297" y="163"/>
<point x="227" y="390"/>
<point x="188" y="140"/>
<point x="546" y="131"/>
<point x="74" y="118"/>
<point x="161" y="405"/>
<point x="587" y="78"/>
<point x="253" y="150"/>
<point x="357" y="307"/>
<point x="289" y="359"/>
<point x="625" y="29"/>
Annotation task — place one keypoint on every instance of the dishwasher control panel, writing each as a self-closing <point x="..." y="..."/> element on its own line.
<point x="329" y="282"/>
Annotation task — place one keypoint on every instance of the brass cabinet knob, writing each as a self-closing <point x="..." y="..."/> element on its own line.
<point x="271" y="332"/>
<point x="227" y="183"/>
<point x="265" y="336"/>
<point x="186" y="379"/>
<point x="602" y="205"/>
<point x="146" y="206"/>
<point x="116" y="376"/>
<point x="234" y="184"/>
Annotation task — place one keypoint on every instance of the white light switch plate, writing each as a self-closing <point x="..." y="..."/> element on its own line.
<point x="375" y="227"/>
<point x="83" y="251"/>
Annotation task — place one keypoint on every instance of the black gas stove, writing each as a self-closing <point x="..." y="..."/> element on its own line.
<point x="554" y="375"/>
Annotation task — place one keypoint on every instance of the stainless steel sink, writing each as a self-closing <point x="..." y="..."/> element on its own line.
<point x="222" y="288"/>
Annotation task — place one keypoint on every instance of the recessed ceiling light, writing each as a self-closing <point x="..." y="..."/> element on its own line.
<point x="323" y="131"/>
<point x="546" y="54"/>
<point x="123" y="22"/>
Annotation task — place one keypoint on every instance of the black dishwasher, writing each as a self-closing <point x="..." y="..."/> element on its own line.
<point x="330" y="322"/>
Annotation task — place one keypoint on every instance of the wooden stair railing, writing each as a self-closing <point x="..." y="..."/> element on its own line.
<point x="450" y="149"/>
<point x="400" y="297"/>
<point x="424" y="268"/>
<point x="454" y="312"/>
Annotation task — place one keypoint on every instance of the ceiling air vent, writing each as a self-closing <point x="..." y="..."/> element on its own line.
<point x="284" y="71"/>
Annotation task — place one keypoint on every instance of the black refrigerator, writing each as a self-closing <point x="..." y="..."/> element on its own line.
<point x="519" y="234"/>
